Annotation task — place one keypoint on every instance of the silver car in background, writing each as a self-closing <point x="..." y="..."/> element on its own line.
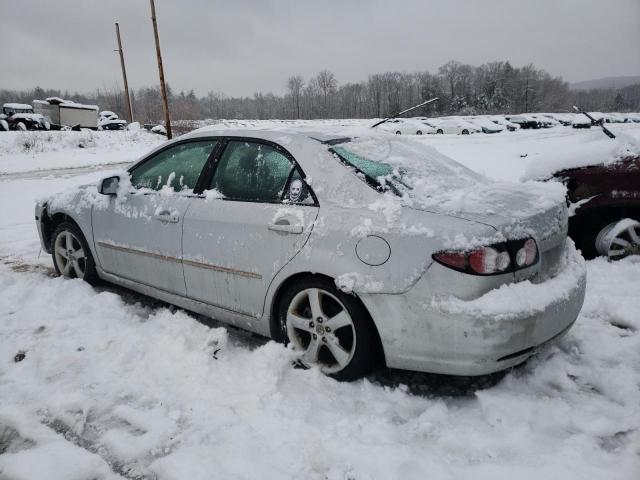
<point x="358" y="251"/>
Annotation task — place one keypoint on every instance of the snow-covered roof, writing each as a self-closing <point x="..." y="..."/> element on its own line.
<point x="17" y="106"/>
<point x="28" y="116"/>
<point x="66" y="103"/>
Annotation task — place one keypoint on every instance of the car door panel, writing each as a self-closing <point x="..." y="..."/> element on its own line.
<point x="232" y="250"/>
<point x="235" y="242"/>
<point x="140" y="238"/>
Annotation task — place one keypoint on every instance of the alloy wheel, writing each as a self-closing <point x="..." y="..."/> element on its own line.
<point x="320" y="326"/>
<point x="70" y="256"/>
<point x="619" y="239"/>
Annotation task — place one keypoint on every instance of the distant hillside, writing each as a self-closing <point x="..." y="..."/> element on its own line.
<point x="607" y="82"/>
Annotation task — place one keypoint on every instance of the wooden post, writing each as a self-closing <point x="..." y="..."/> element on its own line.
<point x="163" y="89"/>
<point x="124" y="75"/>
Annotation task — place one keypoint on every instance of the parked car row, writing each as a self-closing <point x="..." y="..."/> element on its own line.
<point x="466" y="125"/>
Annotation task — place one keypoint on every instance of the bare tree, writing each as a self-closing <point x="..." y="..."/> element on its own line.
<point x="327" y="84"/>
<point x="294" y="86"/>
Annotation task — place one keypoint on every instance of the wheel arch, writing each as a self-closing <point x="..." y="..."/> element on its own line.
<point x="51" y="221"/>
<point x="274" y="328"/>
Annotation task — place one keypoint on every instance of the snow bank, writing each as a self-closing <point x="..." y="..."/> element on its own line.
<point x="154" y="392"/>
<point x="42" y="150"/>
<point x="537" y="154"/>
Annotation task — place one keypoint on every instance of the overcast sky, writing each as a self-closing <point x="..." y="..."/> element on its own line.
<point x="239" y="47"/>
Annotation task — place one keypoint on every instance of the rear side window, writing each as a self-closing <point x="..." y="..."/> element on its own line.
<point x="251" y="171"/>
<point x="177" y="167"/>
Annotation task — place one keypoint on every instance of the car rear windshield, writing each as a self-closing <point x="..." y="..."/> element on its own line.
<point x="379" y="175"/>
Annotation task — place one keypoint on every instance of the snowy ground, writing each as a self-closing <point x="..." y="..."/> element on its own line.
<point x="114" y="385"/>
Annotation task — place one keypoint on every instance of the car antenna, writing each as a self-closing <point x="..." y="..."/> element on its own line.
<point x="600" y="122"/>
<point x="405" y="111"/>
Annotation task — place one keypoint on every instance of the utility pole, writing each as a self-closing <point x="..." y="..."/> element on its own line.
<point x="163" y="89"/>
<point x="124" y="74"/>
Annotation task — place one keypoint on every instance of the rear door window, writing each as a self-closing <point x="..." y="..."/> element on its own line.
<point x="252" y="171"/>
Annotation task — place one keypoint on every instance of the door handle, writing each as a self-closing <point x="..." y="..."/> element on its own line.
<point x="283" y="225"/>
<point x="167" y="216"/>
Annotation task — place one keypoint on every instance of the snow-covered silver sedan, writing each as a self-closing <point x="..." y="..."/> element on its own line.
<point x="356" y="250"/>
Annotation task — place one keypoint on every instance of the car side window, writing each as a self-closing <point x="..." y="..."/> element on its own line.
<point x="177" y="167"/>
<point x="251" y="171"/>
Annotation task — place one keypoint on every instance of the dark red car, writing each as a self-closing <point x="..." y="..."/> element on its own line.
<point x="604" y="196"/>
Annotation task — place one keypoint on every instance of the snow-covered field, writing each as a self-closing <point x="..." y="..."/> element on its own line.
<point x="114" y="385"/>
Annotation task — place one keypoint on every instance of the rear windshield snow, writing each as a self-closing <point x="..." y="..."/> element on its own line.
<point x="379" y="175"/>
<point x="404" y="168"/>
<point x="421" y="177"/>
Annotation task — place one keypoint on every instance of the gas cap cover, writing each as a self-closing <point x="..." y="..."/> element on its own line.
<point x="373" y="250"/>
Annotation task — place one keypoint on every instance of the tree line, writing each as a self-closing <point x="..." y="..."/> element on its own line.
<point x="491" y="88"/>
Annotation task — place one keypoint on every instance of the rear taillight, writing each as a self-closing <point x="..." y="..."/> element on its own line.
<point x="527" y="254"/>
<point x="491" y="260"/>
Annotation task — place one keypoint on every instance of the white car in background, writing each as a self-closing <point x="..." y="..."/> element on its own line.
<point x="457" y="126"/>
<point x="405" y="126"/>
<point x="486" y="125"/>
<point x="500" y="120"/>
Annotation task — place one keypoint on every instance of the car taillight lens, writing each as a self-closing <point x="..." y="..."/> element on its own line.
<point x="527" y="254"/>
<point x="491" y="260"/>
<point x="487" y="260"/>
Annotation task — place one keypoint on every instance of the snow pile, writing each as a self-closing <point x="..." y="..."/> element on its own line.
<point x="39" y="150"/>
<point x="538" y="154"/>
<point x="153" y="392"/>
<point x="593" y="151"/>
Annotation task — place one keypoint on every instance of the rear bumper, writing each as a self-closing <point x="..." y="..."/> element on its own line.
<point x="444" y="334"/>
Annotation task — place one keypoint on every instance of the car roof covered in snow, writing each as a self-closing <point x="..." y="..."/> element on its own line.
<point x="17" y="106"/>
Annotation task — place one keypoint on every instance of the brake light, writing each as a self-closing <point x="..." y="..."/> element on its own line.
<point x="491" y="260"/>
<point x="527" y="254"/>
<point x="456" y="260"/>
<point x="487" y="260"/>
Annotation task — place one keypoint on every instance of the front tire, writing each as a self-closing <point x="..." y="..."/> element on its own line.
<point x="21" y="126"/>
<point x="71" y="254"/>
<point x="330" y="328"/>
<point x="465" y="132"/>
<point x="419" y="132"/>
<point x="439" y="132"/>
<point x="398" y="132"/>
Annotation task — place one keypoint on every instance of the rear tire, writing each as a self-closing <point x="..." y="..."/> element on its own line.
<point x="439" y="132"/>
<point x="71" y="254"/>
<point x="330" y="327"/>
<point x="398" y="132"/>
<point x="419" y="132"/>
<point x="465" y="132"/>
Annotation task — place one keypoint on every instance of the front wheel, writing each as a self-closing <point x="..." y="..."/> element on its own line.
<point x="398" y="132"/>
<point x="21" y="126"/>
<point x="419" y="132"/>
<point x="465" y="132"/>
<point x="71" y="255"/>
<point x="439" y="131"/>
<point x="330" y="329"/>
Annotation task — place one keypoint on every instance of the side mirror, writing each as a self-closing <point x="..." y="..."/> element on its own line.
<point x="109" y="185"/>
